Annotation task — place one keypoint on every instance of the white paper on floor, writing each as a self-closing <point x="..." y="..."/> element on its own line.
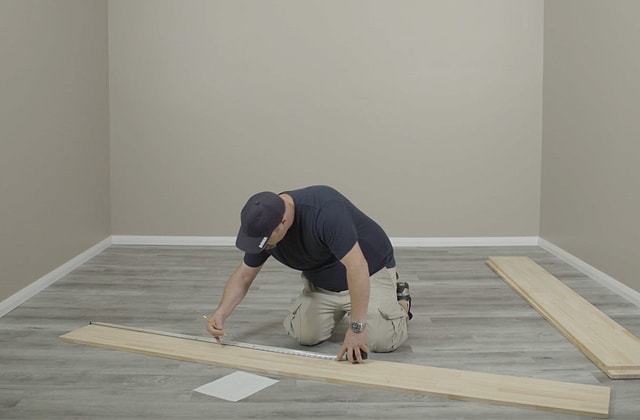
<point x="236" y="386"/>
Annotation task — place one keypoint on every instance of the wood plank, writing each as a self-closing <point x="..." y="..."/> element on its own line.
<point x="605" y="342"/>
<point x="531" y="393"/>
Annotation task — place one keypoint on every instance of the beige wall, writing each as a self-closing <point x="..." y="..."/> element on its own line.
<point x="54" y="138"/>
<point x="435" y="104"/>
<point x="426" y="113"/>
<point x="591" y="139"/>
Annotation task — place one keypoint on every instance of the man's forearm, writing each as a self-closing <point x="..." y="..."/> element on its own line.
<point x="235" y="290"/>
<point x="232" y="296"/>
<point x="358" y="281"/>
<point x="359" y="288"/>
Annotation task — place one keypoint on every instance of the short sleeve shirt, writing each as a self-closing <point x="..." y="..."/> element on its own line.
<point x="325" y="228"/>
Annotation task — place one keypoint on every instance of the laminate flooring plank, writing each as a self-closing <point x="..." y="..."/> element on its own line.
<point x="466" y="317"/>
<point x="537" y="394"/>
<point x="610" y="346"/>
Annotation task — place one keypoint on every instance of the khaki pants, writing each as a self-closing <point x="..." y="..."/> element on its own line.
<point x="314" y="314"/>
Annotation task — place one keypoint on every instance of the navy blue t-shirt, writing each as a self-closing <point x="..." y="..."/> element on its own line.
<point x="326" y="226"/>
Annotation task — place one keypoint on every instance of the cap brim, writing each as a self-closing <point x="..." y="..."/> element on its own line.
<point x="250" y="244"/>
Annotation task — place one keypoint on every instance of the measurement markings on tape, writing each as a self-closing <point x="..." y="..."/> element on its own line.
<point x="281" y="350"/>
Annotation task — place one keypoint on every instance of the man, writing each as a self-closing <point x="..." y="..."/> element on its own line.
<point x="347" y="266"/>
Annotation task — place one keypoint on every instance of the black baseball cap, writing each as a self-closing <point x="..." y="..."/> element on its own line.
<point x="258" y="219"/>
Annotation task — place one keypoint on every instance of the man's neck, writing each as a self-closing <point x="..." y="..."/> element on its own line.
<point x="289" y="209"/>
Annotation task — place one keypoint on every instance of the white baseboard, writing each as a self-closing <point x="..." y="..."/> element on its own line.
<point x="471" y="241"/>
<point x="47" y="280"/>
<point x="604" y="279"/>
<point x="174" y="240"/>
<point x="397" y="242"/>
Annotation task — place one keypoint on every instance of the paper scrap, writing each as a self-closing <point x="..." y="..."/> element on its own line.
<point x="236" y="386"/>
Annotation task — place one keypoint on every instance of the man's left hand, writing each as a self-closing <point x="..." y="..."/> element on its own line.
<point x="354" y="345"/>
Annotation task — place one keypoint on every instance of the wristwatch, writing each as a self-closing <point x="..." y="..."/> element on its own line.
<point x="357" y="327"/>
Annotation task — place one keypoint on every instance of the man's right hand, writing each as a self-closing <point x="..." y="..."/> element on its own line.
<point x="215" y="327"/>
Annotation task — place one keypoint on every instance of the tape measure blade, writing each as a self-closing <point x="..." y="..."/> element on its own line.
<point x="281" y="350"/>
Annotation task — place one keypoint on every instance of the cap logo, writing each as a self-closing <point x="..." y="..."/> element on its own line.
<point x="264" y="241"/>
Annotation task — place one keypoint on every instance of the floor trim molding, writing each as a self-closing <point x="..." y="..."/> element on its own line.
<point x="397" y="242"/>
<point x="469" y="241"/>
<point x="604" y="279"/>
<point x="48" y="279"/>
<point x="174" y="240"/>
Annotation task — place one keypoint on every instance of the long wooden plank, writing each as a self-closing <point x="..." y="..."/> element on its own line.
<point x="531" y="393"/>
<point x="605" y="342"/>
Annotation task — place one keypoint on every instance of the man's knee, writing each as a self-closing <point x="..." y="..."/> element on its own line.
<point x="307" y="339"/>
<point x="305" y="331"/>
<point x="385" y="344"/>
<point x="305" y="335"/>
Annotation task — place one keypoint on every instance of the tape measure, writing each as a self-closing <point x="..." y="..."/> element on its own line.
<point x="281" y="350"/>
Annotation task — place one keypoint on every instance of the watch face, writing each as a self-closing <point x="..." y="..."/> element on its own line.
<point x="357" y="326"/>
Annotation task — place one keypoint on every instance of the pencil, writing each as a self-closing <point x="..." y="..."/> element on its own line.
<point x="213" y="324"/>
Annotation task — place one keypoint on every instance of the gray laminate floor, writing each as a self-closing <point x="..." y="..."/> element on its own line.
<point x="465" y="317"/>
